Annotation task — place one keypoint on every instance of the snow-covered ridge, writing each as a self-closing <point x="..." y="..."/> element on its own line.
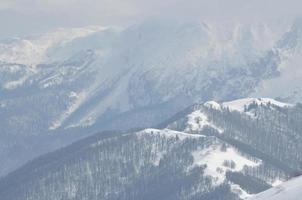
<point x="198" y="120"/>
<point x="219" y="159"/>
<point x="168" y="133"/>
<point x="291" y="190"/>
<point x="240" y="105"/>
<point x="33" y="51"/>
<point x="150" y="52"/>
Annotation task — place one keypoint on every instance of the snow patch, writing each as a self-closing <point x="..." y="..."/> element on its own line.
<point x="238" y="190"/>
<point x="14" y="84"/>
<point x="291" y="190"/>
<point x="215" y="158"/>
<point x="277" y="182"/>
<point x="198" y="120"/>
<point x="76" y="102"/>
<point x="240" y="104"/>
<point x="213" y="105"/>
<point x="33" y="51"/>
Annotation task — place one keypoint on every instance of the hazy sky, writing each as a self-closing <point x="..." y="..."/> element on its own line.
<point x="19" y="17"/>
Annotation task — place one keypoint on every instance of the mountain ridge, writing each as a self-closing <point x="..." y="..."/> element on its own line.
<point x="113" y="78"/>
<point x="233" y="160"/>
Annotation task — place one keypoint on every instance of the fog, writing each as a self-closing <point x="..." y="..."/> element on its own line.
<point x="23" y="17"/>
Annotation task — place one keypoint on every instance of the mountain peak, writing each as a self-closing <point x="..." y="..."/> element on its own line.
<point x="33" y="50"/>
<point x="241" y="104"/>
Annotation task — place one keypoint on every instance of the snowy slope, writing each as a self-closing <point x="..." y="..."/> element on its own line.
<point x="191" y="154"/>
<point x="291" y="190"/>
<point x="115" y="166"/>
<point x="288" y="84"/>
<point x="261" y="126"/>
<point x="240" y="104"/>
<point x="143" y="65"/>
<point x="200" y="118"/>
<point x="215" y="159"/>
<point x="111" y="78"/>
<point x="246" y="105"/>
<point x="34" y="50"/>
<point x="214" y="156"/>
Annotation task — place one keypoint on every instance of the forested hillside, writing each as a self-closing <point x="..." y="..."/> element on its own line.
<point x="224" y="151"/>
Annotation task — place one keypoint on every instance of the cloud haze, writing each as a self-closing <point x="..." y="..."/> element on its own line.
<point x="29" y="16"/>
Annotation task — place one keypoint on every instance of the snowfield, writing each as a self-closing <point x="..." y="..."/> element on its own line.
<point x="240" y="104"/>
<point x="291" y="190"/>
<point x="215" y="158"/>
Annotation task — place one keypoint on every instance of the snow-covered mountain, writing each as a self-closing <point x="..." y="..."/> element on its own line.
<point x="291" y="190"/>
<point x="288" y="84"/>
<point x="97" y="78"/>
<point x="94" y="73"/>
<point x="247" y="121"/>
<point x="36" y="50"/>
<point x="149" y="164"/>
<point x="211" y="151"/>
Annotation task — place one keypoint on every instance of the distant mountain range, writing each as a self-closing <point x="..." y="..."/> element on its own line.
<point x="77" y="77"/>
<point x="230" y="150"/>
<point x="64" y="85"/>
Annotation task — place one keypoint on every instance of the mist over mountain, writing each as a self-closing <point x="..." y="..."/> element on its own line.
<point x="175" y="99"/>
<point x="104" y="78"/>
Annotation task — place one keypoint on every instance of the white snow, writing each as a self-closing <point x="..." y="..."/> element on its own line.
<point x="214" y="158"/>
<point x="14" y="84"/>
<point x="151" y="49"/>
<point x="117" y="100"/>
<point x="240" y="104"/>
<point x="19" y="75"/>
<point x="163" y="60"/>
<point x="238" y="190"/>
<point x="276" y="182"/>
<point x="33" y="51"/>
<point x="291" y="190"/>
<point x="169" y="133"/>
<point x="76" y="101"/>
<point x="197" y="120"/>
<point x="213" y="105"/>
